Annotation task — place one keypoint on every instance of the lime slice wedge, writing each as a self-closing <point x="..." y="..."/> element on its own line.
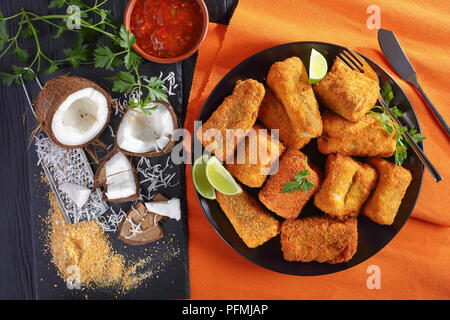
<point x="318" y="67"/>
<point x="220" y="178"/>
<point x="200" y="179"/>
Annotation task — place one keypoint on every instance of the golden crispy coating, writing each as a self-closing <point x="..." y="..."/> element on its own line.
<point x="255" y="157"/>
<point x="238" y="111"/>
<point x="364" y="182"/>
<point x="347" y="92"/>
<point x="289" y="205"/>
<point x="319" y="239"/>
<point x="365" y="138"/>
<point x="289" y="80"/>
<point x="346" y="186"/>
<point x="250" y="220"/>
<point x="273" y="115"/>
<point x="383" y="205"/>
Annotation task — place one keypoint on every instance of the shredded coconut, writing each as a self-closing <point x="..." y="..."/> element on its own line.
<point x="155" y="175"/>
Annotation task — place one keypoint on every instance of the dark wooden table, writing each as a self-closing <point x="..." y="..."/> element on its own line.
<point x="16" y="256"/>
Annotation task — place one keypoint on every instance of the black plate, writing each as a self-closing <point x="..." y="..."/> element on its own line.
<point x="372" y="237"/>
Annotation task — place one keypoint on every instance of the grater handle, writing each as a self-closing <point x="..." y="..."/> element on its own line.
<point x="26" y="90"/>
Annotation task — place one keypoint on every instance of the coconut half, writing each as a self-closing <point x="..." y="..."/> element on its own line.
<point x="73" y="111"/>
<point x="145" y="135"/>
<point x="118" y="178"/>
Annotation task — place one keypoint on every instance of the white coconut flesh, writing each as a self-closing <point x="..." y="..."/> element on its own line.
<point x="80" y="117"/>
<point x="141" y="133"/>
<point x="170" y="208"/>
<point x="120" y="182"/>
<point x="76" y="193"/>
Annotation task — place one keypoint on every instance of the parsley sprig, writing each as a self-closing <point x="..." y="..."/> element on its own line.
<point x="301" y="181"/>
<point x="401" y="149"/>
<point x="96" y="24"/>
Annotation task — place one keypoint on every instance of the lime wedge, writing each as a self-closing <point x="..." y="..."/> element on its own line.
<point x="220" y="178"/>
<point x="200" y="179"/>
<point x="318" y="67"/>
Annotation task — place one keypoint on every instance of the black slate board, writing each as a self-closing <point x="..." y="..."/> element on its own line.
<point x="170" y="279"/>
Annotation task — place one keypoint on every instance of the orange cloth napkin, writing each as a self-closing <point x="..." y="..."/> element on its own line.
<point x="416" y="264"/>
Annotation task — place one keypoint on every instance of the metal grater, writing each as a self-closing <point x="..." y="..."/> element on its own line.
<point x="57" y="172"/>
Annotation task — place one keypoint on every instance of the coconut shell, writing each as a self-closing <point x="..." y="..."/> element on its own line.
<point x="54" y="93"/>
<point x="150" y="231"/>
<point x="100" y="180"/>
<point x="154" y="153"/>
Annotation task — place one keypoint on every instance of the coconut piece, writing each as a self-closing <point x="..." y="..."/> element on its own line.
<point x="118" y="178"/>
<point x="170" y="208"/>
<point x="76" y="193"/>
<point x="140" y="225"/>
<point x="147" y="135"/>
<point x="73" y="111"/>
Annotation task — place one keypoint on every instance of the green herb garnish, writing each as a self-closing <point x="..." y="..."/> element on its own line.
<point x="384" y="118"/>
<point x="301" y="181"/>
<point x="87" y="48"/>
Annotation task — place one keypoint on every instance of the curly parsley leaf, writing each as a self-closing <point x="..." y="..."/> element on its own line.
<point x="79" y="54"/>
<point x="4" y="35"/>
<point x="9" y="78"/>
<point x="21" y="54"/>
<point x="52" y="68"/>
<point x="131" y="60"/>
<point x="105" y="58"/>
<point x="57" y="4"/>
<point x="123" y="82"/>
<point x="397" y="113"/>
<point x="126" y="38"/>
<point x="301" y="181"/>
<point x="401" y="148"/>
<point x="386" y="93"/>
<point x="417" y="137"/>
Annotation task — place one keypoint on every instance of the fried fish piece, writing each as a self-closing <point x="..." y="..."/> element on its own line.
<point x="273" y="115"/>
<point x="235" y="117"/>
<point x="347" y="92"/>
<point x="346" y="186"/>
<point x="365" y="138"/>
<point x="250" y="220"/>
<point x="393" y="182"/>
<point x="256" y="156"/>
<point x="319" y="239"/>
<point x="289" y="205"/>
<point x="289" y="80"/>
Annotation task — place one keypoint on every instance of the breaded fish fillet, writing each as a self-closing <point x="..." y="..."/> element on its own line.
<point x="236" y="115"/>
<point x="273" y="115"/>
<point x="383" y="204"/>
<point x="347" y="92"/>
<point x="255" y="156"/>
<point x="250" y="220"/>
<point x="319" y="239"/>
<point x="289" y="80"/>
<point x="346" y="186"/>
<point x="289" y="205"/>
<point x="365" y="138"/>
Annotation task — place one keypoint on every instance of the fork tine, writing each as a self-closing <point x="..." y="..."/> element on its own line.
<point x="355" y="56"/>
<point x="354" y="61"/>
<point x="367" y="69"/>
<point x="345" y="60"/>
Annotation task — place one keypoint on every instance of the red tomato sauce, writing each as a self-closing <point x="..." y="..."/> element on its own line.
<point x="166" y="28"/>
